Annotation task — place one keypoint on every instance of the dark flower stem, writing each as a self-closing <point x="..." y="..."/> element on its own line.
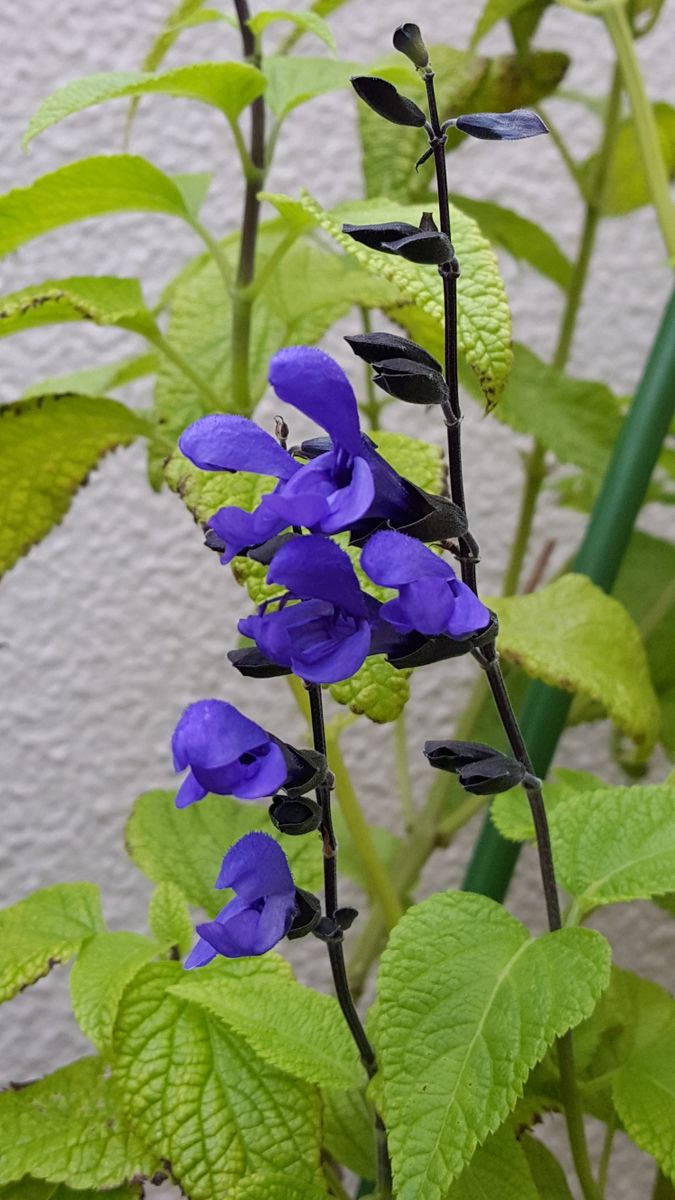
<point x="335" y="947"/>
<point x="488" y="659"/>
<point x="242" y="300"/>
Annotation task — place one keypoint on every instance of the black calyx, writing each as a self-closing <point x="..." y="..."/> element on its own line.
<point x="294" y="815"/>
<point x="213" y="542"/>
<point x="480" y="769"/>
<point x="408" y="40"/>
<point x="380" y="235"/>
<point x="251" y="663"/>
<point x="428" y="248"/>
<point x="264" y="553"/>
<point x="307" y="769"/>
<point x="307" y="916"/>
<point x="387" y="101"/>
<point x="501" y="127"/>
<point x="416" y="650"/>
<point x="414" y="382"/>
<point x="378" y="347"/>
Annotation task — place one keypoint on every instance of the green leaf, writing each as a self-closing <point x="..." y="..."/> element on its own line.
<point x="468" y="1003"/>
<point x="497" y="1168"/>
<point x="494" y="11"/>
<point x="546" y="1171"/>
<point x="89" y="188"/>
<point x="306" y="22"/>
<point x="38" y="1189"/>
<point x="643" y="1089"/>
<point x="169" y="918"/>
<point x="103" y="299"/>
<point x="484" y="320"/>
<point x="265" y="1186"/>
<point x="627" y="186"/>
<point x="294" y="80"/>
<point x="95" y="381"/>
<point x="200" y="1096"/>
<point x="349" y="1130"/>
<point x="68" y="1128"/>
<point x="48" y="446"/>
<point x="227" y="86"/>
<point x="510" y="811"/>
<point x="186" y="847"/>
<point x="377" y="690"/>
<point x="573" y="636"/>
<point x="46" y="928"/>
<point x="294" y="1028"/>
<point x="615" y="844"/>
<point x="105" y="965"/>
<point x="523" y="239"/>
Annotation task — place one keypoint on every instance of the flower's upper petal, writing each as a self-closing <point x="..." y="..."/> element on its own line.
<point x="313" y="567"/>
<point x="314" y="383"/>
<point x="424" y="606"/>
<point x="469" y="614"/>
<point x="189" y="791"/>
<point x="393" y="559"/>
<point x="212" y="733"/>
<point x="225" y="442"/>
<point x="256" y="866"/>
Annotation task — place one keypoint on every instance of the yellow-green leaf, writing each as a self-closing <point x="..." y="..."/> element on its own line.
<point x="44" y="929"/>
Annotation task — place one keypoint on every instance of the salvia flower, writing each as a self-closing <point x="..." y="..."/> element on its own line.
<point x="347" y="486"/>
<point x="323" y="626"/>
<point x="263" y="907"/>
<point x="226" y="753"/>
<point x="431" y="599"/>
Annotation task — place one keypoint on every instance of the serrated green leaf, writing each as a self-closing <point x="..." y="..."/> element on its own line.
<point x="46" y="928"/>
<point x="573" y="636"/>
<point x="68" y="1128"/>
<point x="547" y="1173"/>
<point x="103" y="299"/>
<point x="306" y="22"/>
<point x="230" y="1115"/>
<point x="264" y="1186"/>
<point x="295" y="1028"/>
<point x="169" y="918"/>
<point x="498" y="1168"/>
<point x="48" y="446"/>
<point x="105" y="965"/>
<point x="510" y="811"/>
<point x="615" y="844"/>
<point x="523" y="239"/>
<point x="95" y="381"/>
<point x="627" y="186"/>
<point x="90" y="188"/>
<point x="187" y="847"/>
<point x="468" y="1003"/>
<point x="38" y="1189"/>
<point x="484" y="320"/>
<point x="349" y="1130"/>
<point x="377" y="690"/>
<point x="227" y="86"/>
<point x="294" y="80"/>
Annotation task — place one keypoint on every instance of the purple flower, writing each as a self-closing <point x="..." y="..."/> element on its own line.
<point x="346" y="486"/>
<point x="431" y="599"/>
<point x="226" y="754"/>
<point x="322" y="627"/>
<point x="262" y="910"/>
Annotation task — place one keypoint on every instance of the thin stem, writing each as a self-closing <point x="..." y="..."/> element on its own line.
<point x="574" y="1117"/>
<point x="242" y="302"/>
<point x="216" y="251"/>
<point x="535" y="473"/>
<point x="646" y="129"/>
<point x="606" y="1154"/>
<point x="270" y="264"/>
<point x="169" y="351"/>
<point x="663" y="1188"/>
<point x="371" y="406"/>
<point x="383" y="890"/>
<point x="335" y="1183"/>
<point x="561" y="146"/>
<point x="403" y="773"/>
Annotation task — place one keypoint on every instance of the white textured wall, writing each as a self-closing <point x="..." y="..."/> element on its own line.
<point x="120" y="618"/>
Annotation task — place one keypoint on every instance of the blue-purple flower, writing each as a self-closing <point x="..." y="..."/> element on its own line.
<point x="347" y="486"/>
<point x="322" y="627"/>
<point x="431" y="599"/>
<point x="262" y="909"/>
<point x="226" y="753"/>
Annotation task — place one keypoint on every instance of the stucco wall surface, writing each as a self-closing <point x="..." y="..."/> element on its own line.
<point x="120" y="618"/>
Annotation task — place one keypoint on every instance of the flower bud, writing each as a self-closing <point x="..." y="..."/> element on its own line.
<point x="408" y="41"/>
<point x="379" y="347"/>
<point x="422" y="247"/>
<point x="501" y="127"/>
<point x="411" y="381"/>
<point x="387" y="102"/>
